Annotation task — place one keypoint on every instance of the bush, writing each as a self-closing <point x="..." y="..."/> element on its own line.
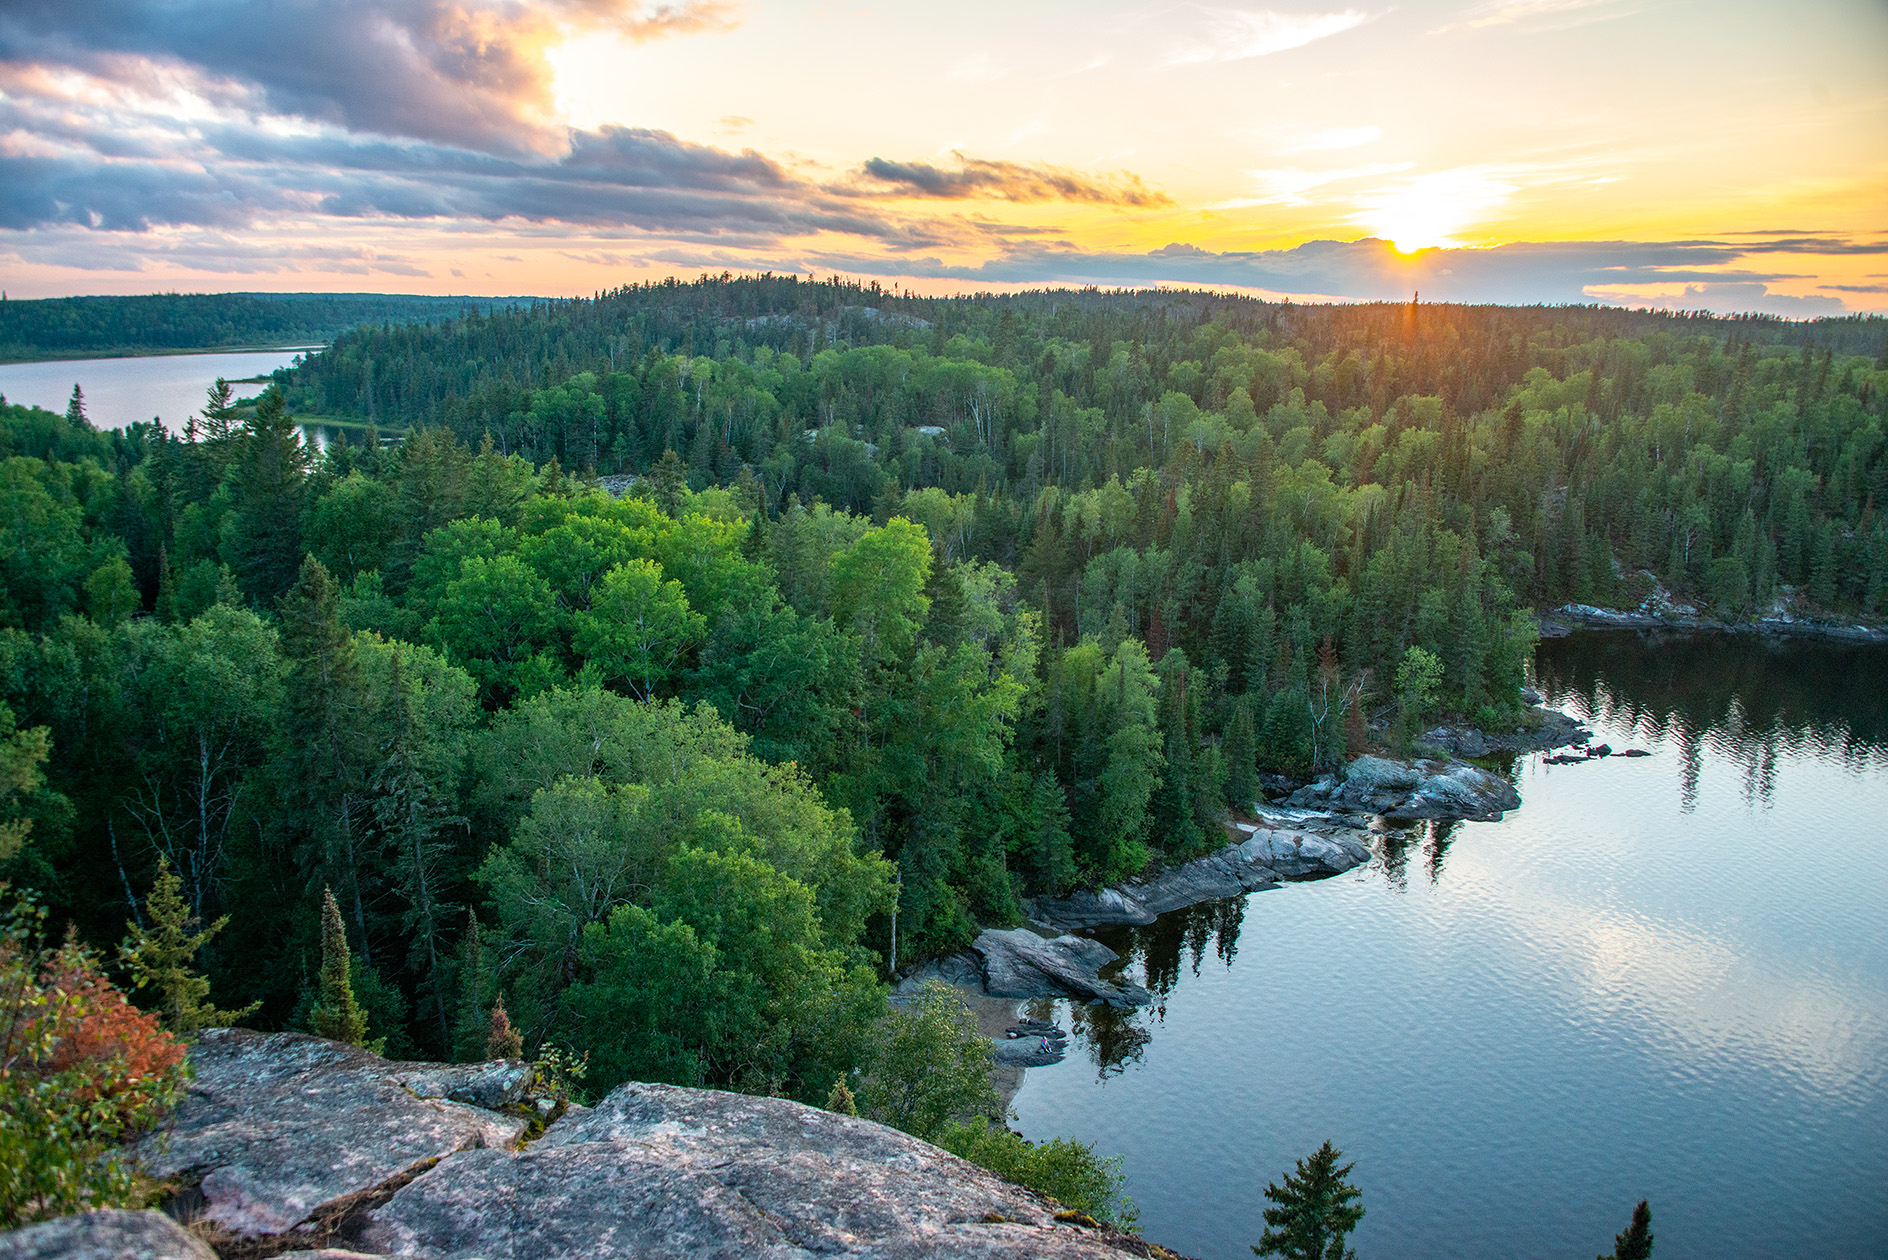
<point x="930" y="1065"/>
<point x="1066" y="1170"/>
<point x="81" y="1070"/>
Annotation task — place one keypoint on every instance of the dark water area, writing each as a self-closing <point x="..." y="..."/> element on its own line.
<point x="1663" y="977"/>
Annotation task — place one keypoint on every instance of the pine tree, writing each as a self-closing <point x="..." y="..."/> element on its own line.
<point x="336" y="1015"/>
<point x="841" y="1100"/>
<point x="159" y="957"/>
<point x="75" y="409"/>
<point x="468" y="1042"/>
<point x="1316" y="1211"/>
<point x="1636" y="1242"/>
<point x="1241" y="753"/>
<point x="503" y="1041"/>
<point x="264" y="546"/>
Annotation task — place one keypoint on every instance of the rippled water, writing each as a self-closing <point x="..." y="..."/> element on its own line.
<point x="1662" y="978"/>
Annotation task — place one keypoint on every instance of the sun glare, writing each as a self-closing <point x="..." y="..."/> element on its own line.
<point x="1431" y="210"/>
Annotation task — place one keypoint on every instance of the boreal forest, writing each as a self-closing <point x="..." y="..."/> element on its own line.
<point x="650" y="663"/>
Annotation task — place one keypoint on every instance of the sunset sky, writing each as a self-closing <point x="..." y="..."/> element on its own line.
<point x="1717" y="154"/>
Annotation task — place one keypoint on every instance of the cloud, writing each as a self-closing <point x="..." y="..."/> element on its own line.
<point x="1574" y="272"/>
<point x="1239" y="34"/>
<point x="461" y="72"/>
<point x="1855" y="288"/>
<point x="1009" y="181"/>
<point x="1508" y="12"/>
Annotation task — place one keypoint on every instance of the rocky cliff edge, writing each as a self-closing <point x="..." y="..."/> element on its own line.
<point x="291" y="1145"/>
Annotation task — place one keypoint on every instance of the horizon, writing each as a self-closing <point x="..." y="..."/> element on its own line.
<point x="1721" y="158"/>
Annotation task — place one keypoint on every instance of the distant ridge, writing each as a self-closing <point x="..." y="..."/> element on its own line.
<point x="167" y="323"/>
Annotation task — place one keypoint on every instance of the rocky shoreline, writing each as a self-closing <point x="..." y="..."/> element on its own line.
<point x="1560" y="622"/>
<point x="1321" y="829"/>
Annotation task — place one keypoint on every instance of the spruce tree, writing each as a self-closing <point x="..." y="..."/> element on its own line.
<point x="336" y="1015"/>
<point x="841" y="1099"/>
<point x="159" y="958"/>
<point x="503" y="1041"/>
<point x="264" y="545"/>
<point x="472" y="1026"/>
<point x="1636" y="1242"/>
<point x="1316" y="1211"/>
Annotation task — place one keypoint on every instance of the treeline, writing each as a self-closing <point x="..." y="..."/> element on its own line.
<point x="882" y="639"/>
<point x="82" y="327"/>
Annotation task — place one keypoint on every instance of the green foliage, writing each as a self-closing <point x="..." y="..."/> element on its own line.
<point x="842" y="1100"/>
<point x="22" y="753"/>
<point x="1418" y="679"/>
<point x="637" y="627"/>
<point x="928" y="1065"/>
<point x="978" y="599"/>
<point x="1316" y="1210"/>
<point x="1635" y="1241"/>
<point x="1066" y="1170"/>
<point x="336" y="1014"/>
<point x="160" y="957"/>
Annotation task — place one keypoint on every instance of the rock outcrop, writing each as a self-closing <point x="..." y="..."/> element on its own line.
<point x="1017" y="963"/>
<point x="1400" y="791"/>
<point x="277" y="1126"/>
<point x="304" y="1147"/>
<point x="656" y="1170"/>
<point x="107" y="1234"/>
<point x="1264" y="857"/>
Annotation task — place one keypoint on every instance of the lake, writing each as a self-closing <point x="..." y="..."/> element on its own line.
<point x="1660" y="978"/>
<point x="122" y="391"/>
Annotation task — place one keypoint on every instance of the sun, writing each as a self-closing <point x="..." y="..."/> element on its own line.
<point x="1431" y="211"/>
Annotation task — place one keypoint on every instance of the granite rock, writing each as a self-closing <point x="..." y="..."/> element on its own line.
<point x="657" y="1170"/>
<point x="276" y="1125"/>
<point x="106" y="1234"/>
<point x="1017" y="963"/>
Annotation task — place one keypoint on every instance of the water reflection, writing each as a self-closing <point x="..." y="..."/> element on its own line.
<point x="1747" y="698"/>
<point x="1662" y="977"/>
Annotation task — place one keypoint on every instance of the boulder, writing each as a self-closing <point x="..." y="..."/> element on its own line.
<point x="1300" y="854"/>
<point x="1087" y="908"/>
<point x="489" y="1085"/>
<point x="1407" y="792"/>
<point x="1457" y="790"/>
<point x="657" y="1170"/>
<point x="106" y="1234"/>
<point x="278" y="1125"/>
<point x="1017" y="963"/>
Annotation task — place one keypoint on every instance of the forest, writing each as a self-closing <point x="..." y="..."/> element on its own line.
<point x="169" y="323"/>
<point x="895" y="612"/>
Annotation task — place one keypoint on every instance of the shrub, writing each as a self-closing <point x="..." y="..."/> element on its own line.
<point x="81" y="1070"/>
<point x="1066" y="1170"/>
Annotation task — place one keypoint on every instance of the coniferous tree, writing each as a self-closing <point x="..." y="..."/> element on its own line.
<point x="326" y="754"/>
<point x="161" y="957"/>
<point x="1317" y="1209"/>
<point x="336" y="1015"/>
<point x="841" y="1100"/>
<point x="1635" y="1242"/>
<point x="468" y="1041"/>
<point x="502" y="1040"/>
<point x="270" y="475"/>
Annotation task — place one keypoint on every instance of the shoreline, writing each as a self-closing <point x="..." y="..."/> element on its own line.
<point x="1324" y="829"/>
<point x="1557" y="623"/>
<point x="154" y="352"/>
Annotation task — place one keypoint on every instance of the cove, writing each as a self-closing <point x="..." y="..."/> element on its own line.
<point x="1663" y="977"/>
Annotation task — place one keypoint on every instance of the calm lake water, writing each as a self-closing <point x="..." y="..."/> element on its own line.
<point x="122" y="391"/>
<point x="1660" y="978"/>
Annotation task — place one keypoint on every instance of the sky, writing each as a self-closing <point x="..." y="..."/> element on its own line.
<point x="1718" y="155"/>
